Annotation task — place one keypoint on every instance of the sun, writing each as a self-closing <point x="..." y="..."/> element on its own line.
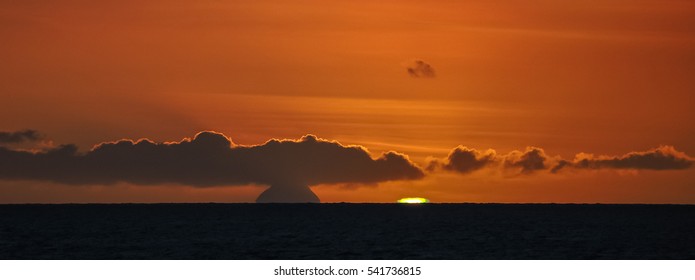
<point x="413" y="200"/>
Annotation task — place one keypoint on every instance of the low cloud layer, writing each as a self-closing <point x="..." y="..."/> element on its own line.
<point x="420" y="69"/>
<point x="16" y="137"/>
<point x="289" y="166"/>
<point x="662" y="158"/>
<point x="466" y="160"/>
<point x="209" y="159"/>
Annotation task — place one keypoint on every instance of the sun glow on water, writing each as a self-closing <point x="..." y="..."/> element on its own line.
<point x="413" y="200"/>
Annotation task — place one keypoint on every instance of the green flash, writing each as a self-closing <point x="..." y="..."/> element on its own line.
<point x="413" y="200"/>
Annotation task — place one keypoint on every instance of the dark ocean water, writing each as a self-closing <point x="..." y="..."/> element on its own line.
<point x="347" y="231"/>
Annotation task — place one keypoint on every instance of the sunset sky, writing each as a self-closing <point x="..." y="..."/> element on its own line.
<point x="609" y="82"/>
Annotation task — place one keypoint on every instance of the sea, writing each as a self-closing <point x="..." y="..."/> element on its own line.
<point x="346" y="231"/>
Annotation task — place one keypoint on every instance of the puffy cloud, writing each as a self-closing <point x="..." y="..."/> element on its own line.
<point x="22" y="136"/>
<point x="661" y="158"/>
<point x="210" y="159"/>
<point x="464" y="160"/>
<point x="420" y="69"/>
<point x="531" y="160"/>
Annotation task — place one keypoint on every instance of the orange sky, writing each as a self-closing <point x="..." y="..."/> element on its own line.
<point x="601" y="77"/>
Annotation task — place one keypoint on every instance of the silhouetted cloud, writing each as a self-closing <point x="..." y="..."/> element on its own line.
<point x="465" y="160"/>
<point x="662" y="158"/>
<point x="420" y="69"/>
<point x="531" y="160"/>
<point x="210" y="159"/>
<point x="22" y="136"/>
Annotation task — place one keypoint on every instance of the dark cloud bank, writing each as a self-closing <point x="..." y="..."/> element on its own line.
<point x="466" y="160"/>
<point x="289" y="167"/>
<point x="211" y="159"/>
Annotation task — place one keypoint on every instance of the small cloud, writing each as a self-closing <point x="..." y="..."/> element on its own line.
<point x="420" y="69"/>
